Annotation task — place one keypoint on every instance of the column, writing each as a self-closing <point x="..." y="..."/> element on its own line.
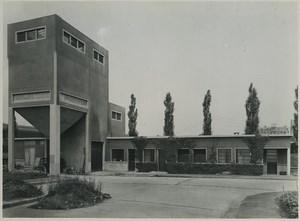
<point x="88" y="165"/>
<point x="11" y="140"/>
<point x="288" y="172"/>
<point x="54" y="139"/>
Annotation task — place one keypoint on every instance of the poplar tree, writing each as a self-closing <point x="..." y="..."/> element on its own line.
<point x="169" y="118"/>
<point x="206" y="114"/>
<point x="295" y="124"/>
<point x="252" y="110"/>
<point x="132" y="117"/>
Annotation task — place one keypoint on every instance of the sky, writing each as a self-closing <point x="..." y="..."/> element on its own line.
<point x="186" y="48"/>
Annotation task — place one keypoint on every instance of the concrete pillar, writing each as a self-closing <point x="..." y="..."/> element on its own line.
<point x="88" y="164"/>
<point x="288" y="172"/>
<point x="11" y="140"/>
<point x="54" y="139"/>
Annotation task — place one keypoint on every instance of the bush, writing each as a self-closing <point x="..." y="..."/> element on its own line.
<point x="15" y="188"/>
<point x="289" y="204"/>
<point x="192" y="168"/>
<point x="146" y="167"/>
<point x="72" y="193"/>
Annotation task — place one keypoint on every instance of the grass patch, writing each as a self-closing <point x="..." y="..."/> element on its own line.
<point x="15" y="188"/>
<point x="71" y="193"/>
<point x="289" y="204"/>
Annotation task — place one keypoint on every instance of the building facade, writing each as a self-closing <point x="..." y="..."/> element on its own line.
<point x="58" y="82"/>
<point x="222" y="150"/>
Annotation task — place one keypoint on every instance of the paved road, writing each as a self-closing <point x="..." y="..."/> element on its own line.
<point x="165" y="197"/>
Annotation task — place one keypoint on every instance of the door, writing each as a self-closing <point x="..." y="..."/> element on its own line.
<point x="29" y="156"/>
<point x="96" y="155"/>
<point x="271" y="159"/>
<point x="131" y="159"/>
<point x="162" y="161"/>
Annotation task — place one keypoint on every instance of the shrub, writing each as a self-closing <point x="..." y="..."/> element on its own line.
<point x="72" y="193"/>
<point x="192" y="168"/>
<point x="146" y="167"/>
<point x="289" y="204"/>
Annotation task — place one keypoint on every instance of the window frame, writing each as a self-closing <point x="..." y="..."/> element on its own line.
<point x="77" y="43"/>
<point x="150" y="157"/>
<point x="236" y="156"/>
<point x="117" y="113"/>
<point x="224" y="149"/>
<point x="111" y="156"/>
<point x="200" y="148"/>
<point x="178" y="155"/>
<point x="28" y="30"/>
<point x="98" y="54"/>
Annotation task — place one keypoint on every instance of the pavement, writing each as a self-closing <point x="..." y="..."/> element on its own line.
<point x="157" y="196"/>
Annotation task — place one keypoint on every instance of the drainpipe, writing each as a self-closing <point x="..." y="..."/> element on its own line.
<point x="288" y="161"/>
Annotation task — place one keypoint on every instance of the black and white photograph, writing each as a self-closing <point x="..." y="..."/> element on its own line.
<point x="149" y="109"/>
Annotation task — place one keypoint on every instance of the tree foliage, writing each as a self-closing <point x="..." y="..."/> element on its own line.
<point x="256" y="146"/>
<point x="252" y="110"/>
<point x="140" y="144"/>
<point x="206" y="114"/>
<point x="169" y="117"/>
<point x="295" y="124"/>
<point x="16" y="129"/>
<point x="132" y="117"/>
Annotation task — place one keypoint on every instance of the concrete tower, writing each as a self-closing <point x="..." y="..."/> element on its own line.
<point x="58" y="81"/>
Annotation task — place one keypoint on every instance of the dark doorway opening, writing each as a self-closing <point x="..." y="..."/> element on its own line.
<point x="271" y="160"/>
<point x="96" y="153"/>
<point x="162" y="160"/>
<point x="131" y="159"/>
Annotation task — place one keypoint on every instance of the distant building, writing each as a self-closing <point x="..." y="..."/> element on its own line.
<point x="274" y="129"/>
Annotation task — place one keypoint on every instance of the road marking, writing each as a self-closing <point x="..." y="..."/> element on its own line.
<point x="183" y="181"/>
<point x="167" y="204"/>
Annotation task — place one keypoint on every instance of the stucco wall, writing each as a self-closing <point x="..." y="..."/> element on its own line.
<point x="31" y="63"/>
<point x="116" y="128"/>
<point x="72" y="145"/>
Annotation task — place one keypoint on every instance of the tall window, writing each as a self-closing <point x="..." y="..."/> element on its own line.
<point x="149" y="155"/>
<point x="31" y="35"/>
<point x="183" y="155"/>
<point x="243" y="156"/>
<point x="116" y="115"/>
<point x="98" y="57"/>
<point x="224" y="155"/>
<point x="73" y="41"/>
<point x="199" y="155"/>
<point x="117" y="154"/>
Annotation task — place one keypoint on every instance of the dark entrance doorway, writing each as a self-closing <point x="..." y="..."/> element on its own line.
<point x="131" y="159"/>
<point x="271" y="160"/>
<point x="162" y="160"/>
<point x="96" y="153"/>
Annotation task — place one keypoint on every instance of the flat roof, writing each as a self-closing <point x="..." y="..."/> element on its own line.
<point x="201" y="136"/>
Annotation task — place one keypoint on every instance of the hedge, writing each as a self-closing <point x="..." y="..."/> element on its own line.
<point x="192" y="168"/>
<point x="146" y="167"/>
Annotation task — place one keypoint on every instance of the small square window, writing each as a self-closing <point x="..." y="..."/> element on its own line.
<point x="101" y="58"/>
<point x="117" y="154"/>
<point x="73" y="42"/>
<point x="67" y="37"/>
<point x="21" y="36"/>
<point x="224" y="156"/>
<point x="149" y="156"/>
<point x="183" y="155"/>
<point x="80" y="46"/>
<point x="200" y="155"/>
<point x="41" y="33"/>
<point x="95" y="55"/>
<point x="31" y="35"/>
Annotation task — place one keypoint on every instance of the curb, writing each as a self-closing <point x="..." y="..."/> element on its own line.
<point x="21" y="202"/>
